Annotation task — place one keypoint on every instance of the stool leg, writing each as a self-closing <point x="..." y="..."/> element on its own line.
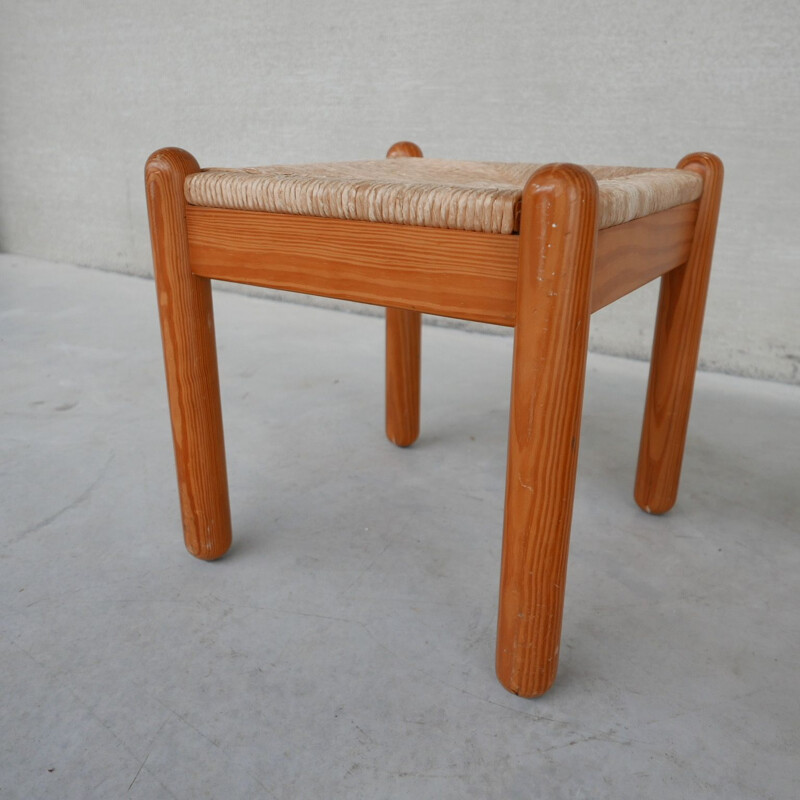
<point x="187" y="332"/>
<point x="403" y="346"/>
<point x="558" y="237"/>
<point x="403" y="343"/>
<point x="676" y="345"/>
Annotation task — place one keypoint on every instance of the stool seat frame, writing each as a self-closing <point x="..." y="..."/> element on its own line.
<point x="545" y="282"/>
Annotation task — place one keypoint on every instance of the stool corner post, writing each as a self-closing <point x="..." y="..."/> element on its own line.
<point x="169" y="163"/>
<point x="676" y="350"/>
<point x="403" y="354"/>
<point x="404" y="149"/>
<point x="403" y="375"/>
<point x="558" y="235"/>
<point x="709" y="165"/>
<point x="190" y="359"/>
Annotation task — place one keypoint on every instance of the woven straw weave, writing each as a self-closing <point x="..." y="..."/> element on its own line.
<point x="465" y="195"/>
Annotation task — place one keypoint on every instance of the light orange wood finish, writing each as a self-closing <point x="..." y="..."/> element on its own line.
<point x="676" y="346"/>
<point x="545" y="282"/>
<point x="461" y="274"/>
<point x="558" y="234"/>
<point x="633" y="254"/>
<point x="453" y="273"/>
<point x="187" y="330"/>
<point x="404" y="149"/>
<point x="403" y="354"/>
<point x="403" y="369"/>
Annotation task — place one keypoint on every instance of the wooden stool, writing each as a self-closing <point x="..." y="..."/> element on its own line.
<point x="534" y="247"/>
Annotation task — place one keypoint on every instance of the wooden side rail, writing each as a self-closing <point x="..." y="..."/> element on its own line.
<point x="461" y="274"/>
<point x="633" y="254"/>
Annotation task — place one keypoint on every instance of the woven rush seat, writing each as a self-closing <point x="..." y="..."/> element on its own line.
<point x="462" y="195"/>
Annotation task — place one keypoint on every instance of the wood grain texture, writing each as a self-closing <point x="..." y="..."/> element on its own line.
<point x="403" y="370"/>
<point x="187" y="330"/>
<point x="546" y="281"/>
<point x="403" y="354"/>
<point x="404" y="149"/>
<point x="459" y="274"/>
<point x="676" y="346"/>
<point x="557" y="248"/>
<point x="453" y="273"/>
<point x="633" y="254"/>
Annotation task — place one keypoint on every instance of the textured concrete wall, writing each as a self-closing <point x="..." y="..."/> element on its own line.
<point x="90" y="88"/>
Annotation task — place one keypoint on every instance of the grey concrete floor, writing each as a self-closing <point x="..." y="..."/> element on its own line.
<point x="344" y="647"/>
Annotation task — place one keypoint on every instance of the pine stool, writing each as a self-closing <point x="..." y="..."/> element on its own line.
<point x="524" y="245"/>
